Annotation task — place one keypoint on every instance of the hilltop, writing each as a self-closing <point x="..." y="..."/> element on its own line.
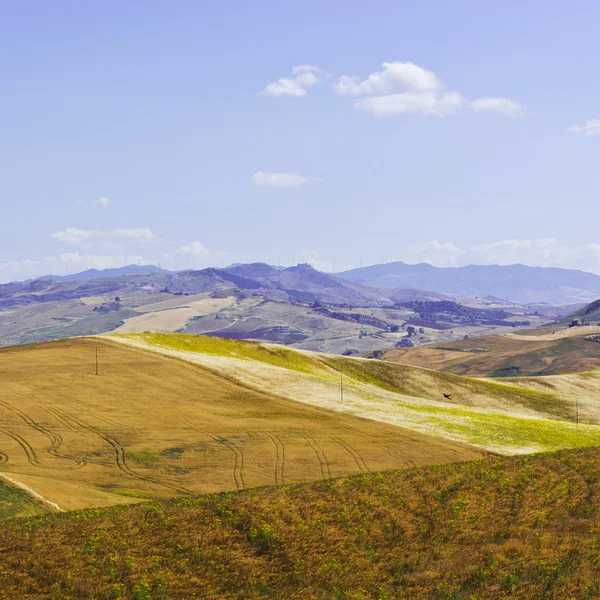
<point x="297" y="305"/>
<point x="520" y="527"/>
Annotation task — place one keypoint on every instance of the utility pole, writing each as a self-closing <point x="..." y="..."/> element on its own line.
<point x="577" y="410"/>
<point x="342" y="386"/>
<point x="96" y="360"/>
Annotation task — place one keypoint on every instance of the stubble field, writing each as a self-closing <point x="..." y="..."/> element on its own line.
<point x="154" y="426"/>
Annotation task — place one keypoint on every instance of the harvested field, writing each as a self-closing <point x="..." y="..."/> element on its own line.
<point x="508" y="355"/>
<point x="154" y="426"/>
<point x="164" y="316"/>
<point x="501" y="418"/>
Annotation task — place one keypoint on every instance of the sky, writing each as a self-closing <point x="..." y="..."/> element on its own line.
<point x="340" y="133"/>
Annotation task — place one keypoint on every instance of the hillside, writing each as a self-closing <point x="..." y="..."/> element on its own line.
<point x="151" y="425"/>
<point x="488" y="415"/>
<point x="297" y="306"/>
<point x="509" y="355"/>
<point x="500" y="528"/>
<point x="183" y="414"/>
<point x="518" y="283"/>
<point x="590" y="314"/>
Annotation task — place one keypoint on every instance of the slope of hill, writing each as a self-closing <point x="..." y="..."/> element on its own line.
<point x="151" y="425"/>
<point x="590" y="314"/>
<point x="508" y="355"/>
<point x="518" y="283"/>
<point x="15" y="502"/>
<point x="489" y="415"/>
<point x="314" y="310"/>
<point x="500" y="528"/>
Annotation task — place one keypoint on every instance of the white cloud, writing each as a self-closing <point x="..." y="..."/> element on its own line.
<point x="102" y="202"/>
<point x="68" y="263"/>
<point x="303" y="77"/>
<point x="195" y="255"/>
<point x="395" y="77"/>
<point x="103" y="238"/>
<point x="280" y="180"/>
<point x="591" y="127"/>
<point x="406" y="88"/>
<point x="506" y="106"/>
<point x="428" y="103"/>
<point x="544" y="252"/>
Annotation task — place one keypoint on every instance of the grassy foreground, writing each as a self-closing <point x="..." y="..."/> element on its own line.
<point x="17" y="503"/>
<point x="512" y="527"/>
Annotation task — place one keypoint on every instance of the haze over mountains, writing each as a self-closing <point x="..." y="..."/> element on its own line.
<point x="517" y="283"/>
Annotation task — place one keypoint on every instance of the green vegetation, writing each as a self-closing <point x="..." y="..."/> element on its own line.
<point x="277" y="356"/>
<point x="17" y="503"/>
<point x="478" y="412"/>
<point x="412" y="381"/>
<point x="144" y="457"/>
<point x="500" y="528"/>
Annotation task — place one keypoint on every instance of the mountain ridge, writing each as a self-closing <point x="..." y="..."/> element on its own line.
<point x="517" y="283"/>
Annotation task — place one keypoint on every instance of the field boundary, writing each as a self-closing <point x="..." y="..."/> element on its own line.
<point x="31" y="492"/>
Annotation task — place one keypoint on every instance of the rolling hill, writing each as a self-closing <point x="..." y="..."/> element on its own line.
<point x="183" y="414"/>
<point x="151" y="425"/>
<point x="499" y="528"/>
<point x="542" y="352"/>
<point x="517" y="283"/>
<point x="297" y="305"/>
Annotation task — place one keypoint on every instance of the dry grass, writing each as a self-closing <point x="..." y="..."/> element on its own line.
<point x="501" y="356"/>
<point x="154" y="426"/>
<point x="501" y="528"/>
<point x="498" y="417"/>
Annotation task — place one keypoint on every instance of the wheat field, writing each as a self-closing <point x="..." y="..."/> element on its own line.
<point x="154" y="426"/>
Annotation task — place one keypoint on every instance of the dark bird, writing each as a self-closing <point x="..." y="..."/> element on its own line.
<point x="447" y="396"/>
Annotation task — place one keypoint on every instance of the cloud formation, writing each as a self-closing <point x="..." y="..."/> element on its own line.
<point x="280" y="180"/>
<point x="103" y="238"/>
<point x="394" y="78"/>
<point x="544" y="252"/>
<point x="195" y="255"/>
<point x="405" y="88"/>
<point x="62" y="264"/>
<point x="303" y="77"/>
<point x="505" y="106"/>
<point x="102" y="202"/>
<point x="589" y="128"/>
<point x="428" y="103"/>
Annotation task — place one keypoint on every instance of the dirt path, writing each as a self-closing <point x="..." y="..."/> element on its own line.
<point x="32" y="492"/>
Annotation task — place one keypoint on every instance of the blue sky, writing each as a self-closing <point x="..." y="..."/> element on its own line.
<point x="147" y="131"/>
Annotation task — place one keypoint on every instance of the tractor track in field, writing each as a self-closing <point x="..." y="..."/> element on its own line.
<point x="32" y="458"/>
<point x="119" y="454"/>
<point x="54" y="437"/>
<point x="3" y="458"/>
<point x="358" y="459"/>
<point x="238" y="466"/>
<point x="320" y="454"/>
<point x="279" y="458"/>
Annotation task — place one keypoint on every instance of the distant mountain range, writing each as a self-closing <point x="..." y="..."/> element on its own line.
<point x="516" y="283"/>
<point x="396" y="282"/>
<point x="92" y="274"/>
